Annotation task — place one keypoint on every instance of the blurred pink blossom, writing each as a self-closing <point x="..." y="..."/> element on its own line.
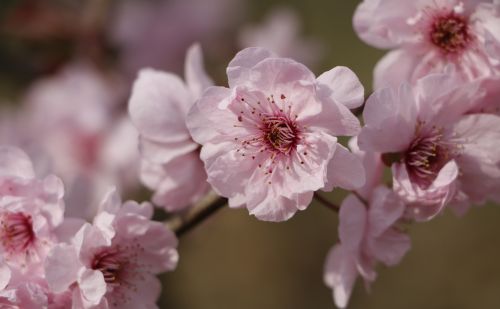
<point x="113" y="263"/>
<point x="280" y="33"/>
<point x="170" y="162"/>
<point x="157" y="33"/>
<point x="428" y="35"/>
<point x="30" y="211"/>
<point x="269" y="140"/>
<point x="75" y="128"/>
<point x="440" y="154"/>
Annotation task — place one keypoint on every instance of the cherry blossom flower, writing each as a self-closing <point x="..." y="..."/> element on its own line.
<point x="368" y="232"/>
<point x="28" y="291"/>
<point x="78" y="132"/>
<point x="269" y="140"/>
<point x="113" y="263"/>
<point x="280" y="32"/>
<point x="440" y="154"/>
<point x="170" y="162"/>
<point x="367" y="236"/>
<point x="429" y="35"/>
<point x="30" y="211"/>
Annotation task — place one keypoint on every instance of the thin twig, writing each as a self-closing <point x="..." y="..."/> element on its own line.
<point x="326" y="202"/>
<point x="199" y="213"/>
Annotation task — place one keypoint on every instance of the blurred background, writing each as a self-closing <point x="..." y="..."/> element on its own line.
<point x="66" y="69"/>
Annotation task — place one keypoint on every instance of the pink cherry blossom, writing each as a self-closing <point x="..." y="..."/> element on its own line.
<point x="367" y="236"/>
<point x="440" y="154"/>
<point x="78" y="132"/>
<point x="269" y="140"/>
<point x="170" y="162"/>
<point x="30" y="211"/>
<point x="113" y="263"/>
<point x="28" y="291"/>
<point x="280" y="32"/>
<point x="428" y="35"/>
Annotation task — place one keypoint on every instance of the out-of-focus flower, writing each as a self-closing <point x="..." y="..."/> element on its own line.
<point x="157" y="33"/>
<point x="280" y="32"/>
<point x="269" y="140"/>
<point x="367" y="236"/>
<point x="429" y="35"/>
<point x="30" y="211"/>
<point x="440" y="154"/>
<point x="74" y="125"/>
<point x="113" y="263"/>
<point x="158" y="107"/>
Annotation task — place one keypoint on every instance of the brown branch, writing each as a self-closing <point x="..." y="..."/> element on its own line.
<point x="326" y="202"/>
<point x="196" y="215"/>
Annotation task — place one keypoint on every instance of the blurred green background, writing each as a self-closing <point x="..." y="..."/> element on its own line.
<point x="235" y="261"/>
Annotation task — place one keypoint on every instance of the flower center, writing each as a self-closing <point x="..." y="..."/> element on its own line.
<point x="450" y="33"/>
<point x="279" y="133"/>
<point x="16" y="232"/>
<point x="426" y="156"/>
<point x="110" y="264"/>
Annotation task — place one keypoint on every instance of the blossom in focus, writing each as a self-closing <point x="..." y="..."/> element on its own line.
<point x="114" y="262"/>
<point x="170" y="162"/>
<point x="269" y="140"/>
<point x="440" y="154"/>
<point x="368" y="232"/>
<point x="30" y="211"/>
<point x="280" y="32"/>
<point x="428" y="35"/>
<point x="76" y="130"/>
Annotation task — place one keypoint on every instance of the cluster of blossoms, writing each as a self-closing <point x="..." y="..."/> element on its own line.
<point x="53" y="261"/>
<point x="267" y="142"/>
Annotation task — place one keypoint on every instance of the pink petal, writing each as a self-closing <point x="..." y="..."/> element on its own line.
<point x="373" y="167"/>
<point x="281" y="74"/>
<point x="92" y="286"/>
<point x="479" y="158"/>
<point x="385" y="209"/>
<point x="391" y="247"/>
<point x="395" y="67"/>
<point x="352" y="223"/>
<point x="183" y="182"/>
<point x="206" y="119"/>
<point x="158" y="105"/>
<point x="165" y="152"/>
<point x="196" y="78"/>
<point x="61" y="267"/>
<point x="239" y="67"/>
<point x="15" y="163"/>
<point x="340" y="274"/>
<point x="342" y="86"/>
<point x="5" y="276"/>
<point x="385" y="114"/>
<point x="334" y="117"/>
<point x="345" y="170"/>
<point x="383" y="23"/>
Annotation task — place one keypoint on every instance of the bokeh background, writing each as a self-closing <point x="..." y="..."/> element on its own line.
<point x="232" y="260"/>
